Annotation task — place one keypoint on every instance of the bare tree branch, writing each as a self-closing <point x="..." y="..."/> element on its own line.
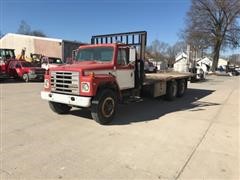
<point x="213" y="24"/>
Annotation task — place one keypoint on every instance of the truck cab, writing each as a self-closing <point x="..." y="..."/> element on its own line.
<point x="100" y="72"/>
<point x="6" y="55"/>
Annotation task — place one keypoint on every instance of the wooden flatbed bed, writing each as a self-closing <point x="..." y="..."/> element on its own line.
<point x="152" y="78"/>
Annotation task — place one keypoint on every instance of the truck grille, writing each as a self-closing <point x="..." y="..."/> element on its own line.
<point x="65" y="82"/>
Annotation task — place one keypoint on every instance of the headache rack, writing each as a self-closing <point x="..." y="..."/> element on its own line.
<point x="136" y="38"/>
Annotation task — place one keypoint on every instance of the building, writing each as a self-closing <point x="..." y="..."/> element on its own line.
<point x="181" y="63"/>
<point x="50" y="47"/>
<point x="160" y="64"/>
<point x="222" y="63"/>
<point x="205" y="63"/>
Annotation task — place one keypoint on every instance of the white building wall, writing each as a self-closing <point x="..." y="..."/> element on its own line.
<point x="12" y="41"/>
<point x="222" y="62"/>
<point x="181" y="65"/>
<point x="39" y="45"/>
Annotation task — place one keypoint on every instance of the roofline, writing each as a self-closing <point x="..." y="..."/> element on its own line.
<point x="34" y="37"/>
<point x="44" y="38"/>
<point x="7" y="48"/>
<point x="79" y="42"/>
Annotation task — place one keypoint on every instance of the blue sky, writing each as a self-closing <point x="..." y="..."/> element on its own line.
<point x="80" y="19"/>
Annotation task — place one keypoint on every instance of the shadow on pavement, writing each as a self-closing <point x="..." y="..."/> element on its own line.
<point x="151" y="109"/>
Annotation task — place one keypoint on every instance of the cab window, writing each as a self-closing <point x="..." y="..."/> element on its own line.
<point x="122" y="56"/>
<point x="18" y="65"/>
<point x="12" y="65"/>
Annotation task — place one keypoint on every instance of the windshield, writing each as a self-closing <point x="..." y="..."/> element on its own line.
<point x="26" y="64"/>
<point x="7" y="53"/>
<point x="55" y="60"/>
<point x="103" y="54"/>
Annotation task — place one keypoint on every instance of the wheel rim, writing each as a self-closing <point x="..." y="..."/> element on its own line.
<point x="25" y="77"/>
<point x="108" y="107"/>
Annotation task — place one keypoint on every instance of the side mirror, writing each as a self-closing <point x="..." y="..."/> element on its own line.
<point x="132" y="54"/>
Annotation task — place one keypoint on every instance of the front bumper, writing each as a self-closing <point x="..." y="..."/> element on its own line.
<point x="66" y="99"/>
<point x="35" y="76"/>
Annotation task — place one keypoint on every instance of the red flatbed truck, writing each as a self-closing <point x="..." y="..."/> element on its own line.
<point x="106" y="73"/>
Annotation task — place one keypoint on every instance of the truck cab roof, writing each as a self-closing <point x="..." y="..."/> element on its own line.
<point x="103" y="45"/>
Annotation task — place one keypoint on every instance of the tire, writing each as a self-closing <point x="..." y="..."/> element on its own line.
<point x="103" y="106"/>
<point x="59" y="108"/>
<point x="25" y="78"/>
<point x="171" y="92"/>
<point x="192" y="80"/>
<point x="181" y="87"/>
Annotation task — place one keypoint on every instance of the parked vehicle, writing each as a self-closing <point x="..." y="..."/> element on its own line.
<point x="50" y="62"/>
<point x="105" y="74"/>
<point x="5" y="56"/>
<point x="25" y="70"/>
<point x="238" y="70"/>
<point x="149" y="67"/>
<point x="36" y="59"/>
<point x="198" y="73"/>
<point x="235" y="71"/>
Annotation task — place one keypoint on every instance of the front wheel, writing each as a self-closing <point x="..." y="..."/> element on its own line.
<point x="59" y="108"/>
<point x="25" y="77"/>
<point x="103" y="106"/>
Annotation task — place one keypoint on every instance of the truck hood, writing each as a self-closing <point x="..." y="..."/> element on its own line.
<point x="82" y="66"/>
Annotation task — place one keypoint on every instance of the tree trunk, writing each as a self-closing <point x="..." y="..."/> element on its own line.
<point x="216" y="53"/>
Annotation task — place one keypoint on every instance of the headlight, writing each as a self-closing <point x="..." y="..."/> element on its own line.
<point x="46" y="83"/>
<point x="85" y="86"/>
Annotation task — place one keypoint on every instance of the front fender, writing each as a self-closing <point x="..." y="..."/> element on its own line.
<point x="104" y="81"/>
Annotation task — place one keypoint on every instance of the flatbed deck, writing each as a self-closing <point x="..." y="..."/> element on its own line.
<point x="151" y="78"/>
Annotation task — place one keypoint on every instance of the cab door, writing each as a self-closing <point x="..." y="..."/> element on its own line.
<point x="124" y="70"/>
<point x="19" y="69"/>
<point x="11" y="68"/>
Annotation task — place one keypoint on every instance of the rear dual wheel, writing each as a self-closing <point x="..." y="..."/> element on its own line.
<point x="175" y="89"/>
<point x="181" y="87"/>
<point x="171" y="91"/>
